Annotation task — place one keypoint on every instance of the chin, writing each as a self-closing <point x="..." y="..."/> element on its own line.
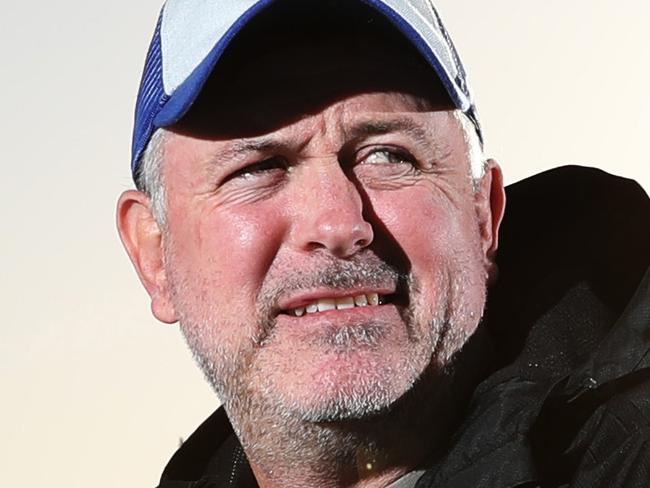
<point x="347" y="386"/>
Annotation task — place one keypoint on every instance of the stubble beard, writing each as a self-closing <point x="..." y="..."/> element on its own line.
<point x="273" y="426"/>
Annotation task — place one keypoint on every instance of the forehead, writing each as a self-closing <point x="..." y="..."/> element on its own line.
<point x="283" y="67"/>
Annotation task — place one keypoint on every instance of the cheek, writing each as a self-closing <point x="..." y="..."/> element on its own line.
<point x="226" y="253"/>
<point x="424" y="226"/>
<point x="437" y="236"/>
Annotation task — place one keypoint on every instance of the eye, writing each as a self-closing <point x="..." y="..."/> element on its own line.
<point x="261" y="168"/>
<point x="387" y="156"/>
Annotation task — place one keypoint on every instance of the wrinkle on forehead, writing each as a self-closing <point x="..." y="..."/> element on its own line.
<point x="330" y="131"/>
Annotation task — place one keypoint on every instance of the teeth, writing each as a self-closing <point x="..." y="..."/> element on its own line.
<point x="344" y="303"/>
<point x="325" y="304"/>
<point x="361" y="301"/>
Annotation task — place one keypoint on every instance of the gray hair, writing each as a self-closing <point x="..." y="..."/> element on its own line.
<point x="475" y="151"/>
<point x="149" y="180"/>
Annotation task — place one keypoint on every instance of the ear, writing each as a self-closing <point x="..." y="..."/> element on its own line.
<point x="490" y="201"/>
<point x="142" y="238"/>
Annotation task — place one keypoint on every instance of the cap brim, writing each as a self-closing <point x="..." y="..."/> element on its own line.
<point x="181" y="100"/>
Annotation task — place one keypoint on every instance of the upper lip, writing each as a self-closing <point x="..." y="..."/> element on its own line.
<point x="304" y="298"/>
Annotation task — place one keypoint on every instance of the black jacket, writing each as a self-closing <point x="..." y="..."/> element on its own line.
<point x="566" y="399"/>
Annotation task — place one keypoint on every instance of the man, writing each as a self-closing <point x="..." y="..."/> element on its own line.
<point x="315" y="211"/>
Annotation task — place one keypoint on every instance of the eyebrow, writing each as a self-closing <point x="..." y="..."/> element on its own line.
<point x="238" y="148"/>
<point x="258" y="144"/>
<point x="404" y="125"/>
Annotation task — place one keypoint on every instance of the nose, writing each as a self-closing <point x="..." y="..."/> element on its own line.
<point x="330" y="216"/>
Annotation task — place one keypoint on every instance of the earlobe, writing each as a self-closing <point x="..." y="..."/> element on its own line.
<point x="490" y="207"/>
<point x="142" y="237"/>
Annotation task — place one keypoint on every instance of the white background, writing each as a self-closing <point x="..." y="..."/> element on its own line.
<point x="94" y="391"/>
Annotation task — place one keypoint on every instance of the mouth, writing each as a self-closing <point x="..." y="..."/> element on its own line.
<point x="346" y="302"/>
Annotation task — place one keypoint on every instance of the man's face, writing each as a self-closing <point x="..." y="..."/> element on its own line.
<point x="324" y="248"/>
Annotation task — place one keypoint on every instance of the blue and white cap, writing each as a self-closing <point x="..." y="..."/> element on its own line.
<point x="192" y="35"/>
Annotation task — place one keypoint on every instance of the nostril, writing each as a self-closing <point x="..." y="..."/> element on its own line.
<point x="361" y="243"/>
<point x="362" y="235"/>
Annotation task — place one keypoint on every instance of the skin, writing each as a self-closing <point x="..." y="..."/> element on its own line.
<point x="299" y="191"/>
